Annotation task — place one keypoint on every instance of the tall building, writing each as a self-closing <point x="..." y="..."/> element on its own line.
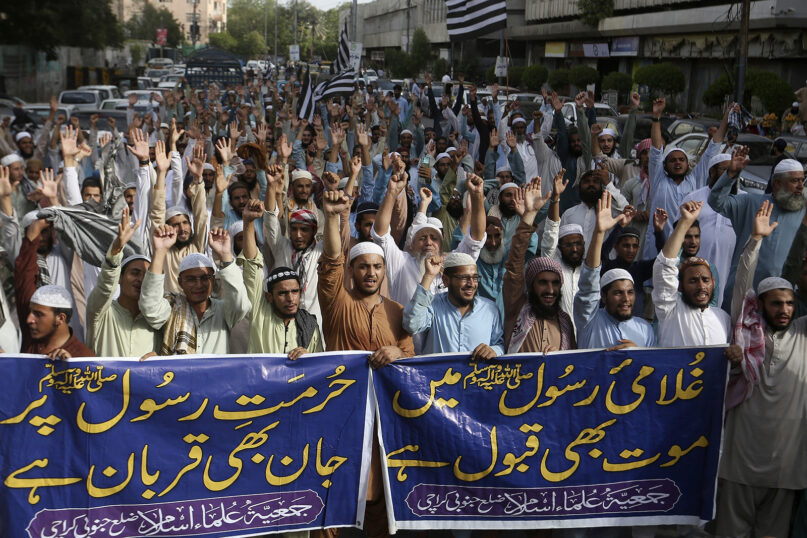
<point x="210" y="15"/>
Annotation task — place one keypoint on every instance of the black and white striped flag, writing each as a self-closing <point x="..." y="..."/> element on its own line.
<point x="341" y="84"/>
<point x="343" y="53"/>
<point x="472" y="18"/>
<point x="305" y="104"/>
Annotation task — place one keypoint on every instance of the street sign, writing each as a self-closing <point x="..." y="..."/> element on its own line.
<point x="294" y="53"/>
<point x="355" y="55"/>
<point x="162" y="36"/>
<point x="501" y="66"/>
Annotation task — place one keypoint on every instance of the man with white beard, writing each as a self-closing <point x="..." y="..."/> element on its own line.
<point x="491" y="263"/>
<point x="406" y="269"/>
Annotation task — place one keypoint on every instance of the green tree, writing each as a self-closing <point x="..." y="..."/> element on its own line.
<point x="663" y="78"/>
<point x="421" y="49"/>
<point x="774" y="92"/>
<point x="583" y="75"/>
<point x="138" y="52"/>
<point x="251" y="45"/>
<point x="441" y="67"/>
<point x="515" y="74"/>
<point x="223" y="41"/>
<point x="593" y="11"/>
<point x="145" y="24"/>
<point x="400" y="64"/>
<point x="47" y="24"/>
<point x="559" y="80"/>
<point x="620" y="82"/>
<point x="535" y="76"/>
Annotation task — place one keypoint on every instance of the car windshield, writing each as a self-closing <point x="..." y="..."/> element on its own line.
<point x="759" y="152"/>
<point x="78" y="98"/>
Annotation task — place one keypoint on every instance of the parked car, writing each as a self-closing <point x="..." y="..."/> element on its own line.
<point x="154" y="75"/>
<point x="119" y="115"/>
<point x="160" y="63"/>
<point x="143" y="95"/>
<point x="569" y="111"/>
<point x="796" y="147"/>
<point x="754" y="178"/>
<point x="43" y="110"/>
<point x="107" y="92"/>
<point x="370" y="75"/>
<point x="81" y="99"/>
<point x="10" y="101"/>
<point x="644" y="123"/>
<point x="681" y="127"/>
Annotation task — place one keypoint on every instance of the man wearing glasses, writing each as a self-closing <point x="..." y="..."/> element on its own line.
<point x="459" y="320"/>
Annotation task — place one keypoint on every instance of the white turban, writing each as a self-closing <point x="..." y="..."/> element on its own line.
<point x="446" y="79"/>
<point x="10" y="159"/>
<point x="134" y="257"/>
<point x="457" y="259"/>
<point x="443" y="155"/>
<point x="506" y="186"/>
<point x="788" y="165"/>
<point x="569" y="229"/>
<point x="670" y="149"/>
<point x="425" y="225"/>
<point x="719" y="158"/>
<point x="365" y="247"/>
<point x="196" y="261"/>
<point x="53" y="296"/>
<point x="607" y="132"/>
<point x="503" y="168"/>
<point x="173" y="211"/>
<point x="614" y="275"/>
<point x="209" y="166"/>
<point x="23" y="134"/>
<point x="773" y="283"/>
<point x="29" y="218"/>
<point x="301" y="174"/>
<point x="406" y="131"/>
<point x="519" y="120"/>
<point x="450" y="149"/>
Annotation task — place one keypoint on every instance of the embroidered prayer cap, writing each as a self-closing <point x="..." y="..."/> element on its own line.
<point x="303" y="216"/>
<point x="773" y="283"/>
<point x="613" y="275"/>
<point x="788" y="165"/>
<point x="365" y="247"/>
<point x="719" y="158"/>
<point x="301" y="174"/>
<point x="644" y="145"/>
<point x="134" y="257"/>
<point x="21" y="135"/>
<point x="569" y="229"/>
<point x="29" y="218"/>
<point x="10" y="159"/>
<point x="691" y="262"/>
<point x="539" y="265"/>
<point x="279" y="274"/>
<point x="607" y="132"/>
<point x="506" y="186"/>
<point x="173" y="211"/>
<point x="458" y="259"/>
<point x="53" y="296"/>
<point x="196" y="261"/>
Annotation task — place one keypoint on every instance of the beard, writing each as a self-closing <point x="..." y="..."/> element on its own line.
<point x="182" y="244"/>
<point x="521" y="138"/>
<point x="574" y="264"/>
<point x="492" y="257"/>
<point x="454" y="210"/>
<point x="789" y="201"/>
<point x="690" y="303"/>
<point x="542" y="311"/>
<point x="590" y="197"/>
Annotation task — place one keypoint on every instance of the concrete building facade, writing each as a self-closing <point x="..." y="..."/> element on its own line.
<point x="211" y="15"/>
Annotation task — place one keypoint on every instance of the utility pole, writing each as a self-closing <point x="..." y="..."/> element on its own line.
<point x="295" y="22"/>
<point x="501" y="53"/>
<point x="275" y="33"/>
<point x="354" y="11"/>
<point x="742" y="57"/>
<point x="265" y="24"/>
<point x="408" y="37"/>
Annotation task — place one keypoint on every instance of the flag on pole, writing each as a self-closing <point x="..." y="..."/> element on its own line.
<point x="305" y="104"/>
<point x="341" y="84"/>
<point x="472" y="18"/>
<point x="343" y="53"/>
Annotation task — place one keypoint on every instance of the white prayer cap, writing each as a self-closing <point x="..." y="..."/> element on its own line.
<point x="394" y="153"/>
<point x="506" y="186"/>
<point x="719" y="158"/>
<point x="773" y="283"/>
<point x="449" y="149"/>
<point x="301" y="174"/>
<point x="503" y="168"/>
<point x="53" y="296"/>
<point x="365" y="247"/>
<point x="29" y="218"/>
<point x="436" y="222"/>
<point x="406" y="131"/>
<point x="670" y="149"/>
<point x="23" y="134"/>
<point x="132" y="258"/>
<point x="457" y="259"/>
<point x="209" y="166"/>
<point x="343" y="183"/>
<point x="569" y="229"/>
<point x="417" y="229"/>
<point x="607" y="132"/>
<point x="788" y="165"/>
<point x="519" y="120"/>
<point x="445" y="79"/>
<point x="795" y="104"/>
<point x="152" y="143"/>
<point x="163" y="126"/>
<point x="614" y="275"/>
<point x="196" y="261"/>
<point x="130" y="185"/>
<point x="10" y="159"/>
<point x="443" y="155"/>
<point x="173" y="211"/>
<point x="236" y="228"/>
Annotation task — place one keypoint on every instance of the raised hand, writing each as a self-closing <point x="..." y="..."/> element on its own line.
<point x="50" y="185"/>
<point x="635" y="100"/>
<point x="222" y="181"/>
<point x="253" y="210"/>
<point x="658" y="106"/>
<point x="223" y="147"/>
<point x="763" y="227"/>
<point x="386" y="159"/>
<point x="589" y="99"/>
<point x="659" y="219"/>
<point x="284" y="148"/>
<point x="5" y="182"/>
<point x="494" y="139"/>
<point x="518" y="202"/>
<point x="330" y="181"/>
<point x="161" y="157"/>
<point x="355" y="166"/>
<point x="140" y="149"/>
<point x="163" y="237"/>
<point x="397" y="182"/>
<point x="533" y="200"/>
<point x="235" y="132"/>
<point x="335" y="202"/>
<point x="559" y="184"/>
<point x="425" y="196"/>
<point x="175" y="134"/>
<point x="220" y="243"/>
<point x="596" y="130"/>
<point x="690" y="211"/>
<point x="125" y="231"/>
<point x="629" y="212"/>
<point x="69" y="139"/>
<point x="475" y="185"/>
<point x="362" y="136"/>
<point x="337" y="135"/>
<point x="580" y="99"/>
<point x="738" y="161"/>
<point x="433" y="265"/>
<point x="104" y="140"/>
<point x="196" y="165"/>
<point x="557" y="102"/>
<point x="510" y="139"/>
<point x="605" y="219"/>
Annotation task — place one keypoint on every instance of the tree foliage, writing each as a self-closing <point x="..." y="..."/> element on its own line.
<point x="47" y="24"/>
<point x="559" y="79"/>
<point x="145" y="24"/>
<point x="421" y="48"/>
<point x="593" y="11"/>
<point x="774" y="92"/>
<point x="515" y="74"/>
<point x="621" y="82"/>
<point x="583" y="75"/>
<point x="663" y="78"/>
<point x="441" y="67"/>
<point x="223" y="40"/>
<point x="534" y="76"/>
<point x="400" y="64"/>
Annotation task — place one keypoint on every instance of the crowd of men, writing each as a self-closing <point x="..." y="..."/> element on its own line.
<point x="242" y="228"/>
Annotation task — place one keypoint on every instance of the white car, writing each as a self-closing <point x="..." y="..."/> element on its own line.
<point x="370" y="75"/>
<point x="81" y="99"/>
<point x="569" y="112"/>
<point x="107" y="92"/>
<point x="143" y="95"/>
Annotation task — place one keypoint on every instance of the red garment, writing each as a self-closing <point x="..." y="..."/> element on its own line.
<point x="25" y="274"/>
<point x="72" y="346"/>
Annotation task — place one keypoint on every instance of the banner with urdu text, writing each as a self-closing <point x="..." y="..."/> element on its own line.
<point x="578" y="439"/>
<point x="205" y="446"/>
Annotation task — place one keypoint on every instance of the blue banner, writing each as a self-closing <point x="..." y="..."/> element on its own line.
<point x="580" y="439"/>
<point x="228" y="446"/>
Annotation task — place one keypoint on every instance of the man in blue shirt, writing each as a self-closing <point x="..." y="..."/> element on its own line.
<point x="613" y="326"/>
<point x="457" y="321"/>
